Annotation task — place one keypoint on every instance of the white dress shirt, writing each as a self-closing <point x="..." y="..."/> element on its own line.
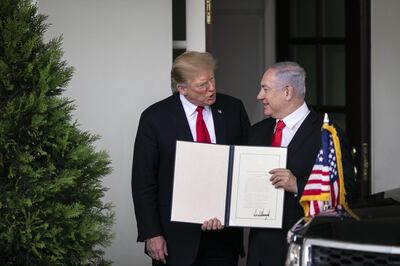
<point x="293" y="122"/>
<point x="191" y="116"/>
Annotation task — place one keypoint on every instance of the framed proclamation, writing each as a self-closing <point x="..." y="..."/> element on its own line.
<point x="230" y="183"/>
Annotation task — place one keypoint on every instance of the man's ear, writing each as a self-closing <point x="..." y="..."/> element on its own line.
<point x="289" y="92"/>
<point x="181" y="89"/>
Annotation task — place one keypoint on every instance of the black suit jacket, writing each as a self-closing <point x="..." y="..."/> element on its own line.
<point x="159" y="127"/>
<point x="268" y="246"/>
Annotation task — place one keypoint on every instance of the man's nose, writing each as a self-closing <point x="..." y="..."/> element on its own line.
<point x="261" y="95"/>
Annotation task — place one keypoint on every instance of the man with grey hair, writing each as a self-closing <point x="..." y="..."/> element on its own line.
<point x="290" y="124"/>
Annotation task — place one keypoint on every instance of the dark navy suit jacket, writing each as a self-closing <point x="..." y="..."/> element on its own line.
<point x="159" y="127"/>
<point x="268" y="246"/>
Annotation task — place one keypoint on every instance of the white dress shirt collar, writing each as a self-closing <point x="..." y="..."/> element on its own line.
<point x="190" y="108"/>
<point x="293" y="123"/>
<point x="191" y="116"/>
<point x="292" y="120"/>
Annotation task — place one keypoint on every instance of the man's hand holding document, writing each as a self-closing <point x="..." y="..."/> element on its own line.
<point x="230" y="183"/>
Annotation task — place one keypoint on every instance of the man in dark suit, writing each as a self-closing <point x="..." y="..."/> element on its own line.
<point x="160" y="125"/>
<point x="282" y="94"/>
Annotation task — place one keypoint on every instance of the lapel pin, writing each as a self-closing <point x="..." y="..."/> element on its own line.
<point x="219" y="111"/>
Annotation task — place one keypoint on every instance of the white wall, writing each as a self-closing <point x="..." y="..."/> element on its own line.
<point x="122" y="54"/>
<point x="385" y="94"/>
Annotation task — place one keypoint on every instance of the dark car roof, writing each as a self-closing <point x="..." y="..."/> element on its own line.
<point x="378" y="224"/>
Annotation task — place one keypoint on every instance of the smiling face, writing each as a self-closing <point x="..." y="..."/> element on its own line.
<point x="200" y="88"/>
<point x="273" y="97"/>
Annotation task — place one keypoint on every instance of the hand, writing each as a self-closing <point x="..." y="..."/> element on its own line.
<point x="157" y="248"/>
<point x="212" y="224"/>
<point x="283" y="178"/>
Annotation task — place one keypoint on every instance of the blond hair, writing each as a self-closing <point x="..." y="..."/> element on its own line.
<point x="188" y="65"/>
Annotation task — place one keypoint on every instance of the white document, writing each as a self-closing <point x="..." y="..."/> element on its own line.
<point x="255" y="201"/>
<point x="200" y="181"/>
<point x="230" y="183"/>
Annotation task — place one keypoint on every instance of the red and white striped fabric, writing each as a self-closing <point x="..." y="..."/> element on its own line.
<point x="325" y="188"/>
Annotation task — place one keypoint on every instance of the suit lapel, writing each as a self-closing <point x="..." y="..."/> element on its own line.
<point x="270" y="132"/>
<point x="219" y="123"/>
<point x="266" y="138"/>
<point x="311" y="122"/>
<point x="181" y="124"/>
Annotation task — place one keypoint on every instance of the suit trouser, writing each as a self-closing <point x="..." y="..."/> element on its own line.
<point x="212" y="252"/>
<point x="267" y="247"/>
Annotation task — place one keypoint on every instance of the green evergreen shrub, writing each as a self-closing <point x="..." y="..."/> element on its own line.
<point x="51" y="209"/>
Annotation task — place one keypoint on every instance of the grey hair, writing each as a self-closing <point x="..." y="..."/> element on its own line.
<point x="290" y="73"/>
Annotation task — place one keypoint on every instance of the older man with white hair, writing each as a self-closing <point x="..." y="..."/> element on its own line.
<point x="293" y="125"/>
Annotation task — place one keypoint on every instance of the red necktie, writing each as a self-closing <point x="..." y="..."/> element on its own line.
<point x="201" y="129"/>
<point x="277" y="137"/>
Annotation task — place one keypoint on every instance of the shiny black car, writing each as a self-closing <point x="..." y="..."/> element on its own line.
<point x="336" y="238"/>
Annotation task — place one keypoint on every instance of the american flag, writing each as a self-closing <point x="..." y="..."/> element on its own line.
<point x="324" y="189"/>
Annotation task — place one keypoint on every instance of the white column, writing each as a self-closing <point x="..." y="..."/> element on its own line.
<point x="195" y="25"/>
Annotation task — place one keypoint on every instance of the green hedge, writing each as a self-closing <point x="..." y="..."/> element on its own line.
<point x="51" y="209"/>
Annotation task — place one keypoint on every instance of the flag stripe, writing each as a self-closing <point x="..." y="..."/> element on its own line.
<point x="319" y="181"/>
<point x="320" y="172"/>
<point x="312" y="192"/>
